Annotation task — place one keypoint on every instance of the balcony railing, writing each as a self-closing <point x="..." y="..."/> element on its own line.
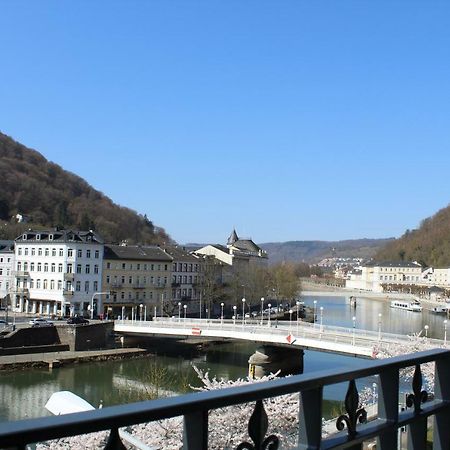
<point x="69" y="276"/>
<point x="354" y="431"/>
<point x="22" y="273"/>
<point x="67" y="292"/>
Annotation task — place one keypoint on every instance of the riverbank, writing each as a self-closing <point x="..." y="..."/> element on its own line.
<point x="321" y="290"/>
<point x="57" y="359"/>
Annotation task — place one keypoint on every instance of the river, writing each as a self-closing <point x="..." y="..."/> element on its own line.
<point x="24" y="393"/>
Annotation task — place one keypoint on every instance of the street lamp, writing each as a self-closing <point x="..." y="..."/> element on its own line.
<point x="354" y="326"/>
<point x="141" y="306"/>
<point x="290" y="319"/>
<point x="179" y="311"/>
<point x="298" y="313"/>
<point x="243" y="311"/>
<point x="262" y="310"/>
<point x="234" y="314"/>
<point x="268" y="322"/>
<point x="92" y="301"/>
<point x="321" y="319"/>
<point x="379" y="326"/>
<point x="374" y="393"/>
<point x="445" y="332"/>
<point x="315" y="312"/>
<point x="426" y="330"/>
<point x="185" y="307"/>
<point x="221" y="317"/>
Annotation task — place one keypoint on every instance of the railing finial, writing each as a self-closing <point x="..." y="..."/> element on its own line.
<point x="418" y="397"/>
<point x="354" y="415"/>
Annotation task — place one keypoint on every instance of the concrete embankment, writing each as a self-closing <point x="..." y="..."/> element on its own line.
<point x="55" y="359"/>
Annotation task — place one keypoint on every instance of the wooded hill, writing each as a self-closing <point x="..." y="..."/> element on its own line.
<point x="54" y="197"/>
<point x="428" y="245"/>
<point x="313" y="251"/>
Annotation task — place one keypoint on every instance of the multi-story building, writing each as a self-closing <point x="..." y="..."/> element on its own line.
<point x="6" y="269"/>
<point x="57" y="272"/>
<point x="372" y="275"/>
<point x="186" y="273"/>
<point x="137" y="275"/>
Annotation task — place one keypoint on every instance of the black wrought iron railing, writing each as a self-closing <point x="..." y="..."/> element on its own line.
<point x="352" y="427"/>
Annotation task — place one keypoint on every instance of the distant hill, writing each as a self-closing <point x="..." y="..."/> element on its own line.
<point x="314" y="251"/>
<point x="429" y="244"/>
<point x="53" y="197"/>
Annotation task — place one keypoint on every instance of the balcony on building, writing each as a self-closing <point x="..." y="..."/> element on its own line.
<point x="69" y="276"/>
<point x="22" y="291"/>
<point x="67" y="292"/>
<point x="22" y="274"/>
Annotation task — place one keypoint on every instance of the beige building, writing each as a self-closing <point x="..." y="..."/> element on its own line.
<point x="139" y="278"/>
<point x="371" y="276"/>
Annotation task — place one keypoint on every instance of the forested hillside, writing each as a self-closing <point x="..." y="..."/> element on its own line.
<point x="53" y="197"/>
<point x="314" y="251"/>
<point x="429" y="244"/>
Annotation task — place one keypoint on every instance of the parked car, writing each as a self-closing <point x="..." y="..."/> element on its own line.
<point x="3" y="324"/>
<point x="39" y="322"/>
<point x="77" y="320"/>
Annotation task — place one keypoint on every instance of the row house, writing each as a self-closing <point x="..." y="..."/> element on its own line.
<point x="138" y="278"/>
<point x="6" y="269"/>
<point x="56" y="272"/>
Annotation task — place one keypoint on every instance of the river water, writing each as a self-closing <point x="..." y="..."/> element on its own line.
<point x="24" y="393"/>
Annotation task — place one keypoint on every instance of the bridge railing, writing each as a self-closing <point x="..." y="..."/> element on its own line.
<point x="344" y="335"/>
<point x="354" y="431"/>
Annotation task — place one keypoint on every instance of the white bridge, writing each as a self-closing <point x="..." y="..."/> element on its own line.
<point x="349" y="341"/>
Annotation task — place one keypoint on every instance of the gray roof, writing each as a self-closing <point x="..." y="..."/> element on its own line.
<point x="233" y="238"/>
<point x="60" y="236"/>
<point x="136" y="252"/>
<point x="392" y="264"/>
<point x="180" y="254"/>
<point x="6" y="246"/>
<point x="246" y="245"/>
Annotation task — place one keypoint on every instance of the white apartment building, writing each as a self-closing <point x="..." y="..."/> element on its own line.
<point x="371" y="276"/>
<point x="439" y="277"/>
<point x="57" y="272"/>
<point x="6" y="269"/>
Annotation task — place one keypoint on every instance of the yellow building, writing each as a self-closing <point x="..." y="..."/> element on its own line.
<point x="139" y="280"/>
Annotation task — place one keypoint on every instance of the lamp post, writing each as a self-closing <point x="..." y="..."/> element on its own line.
<point x="141" y="307"/>
<point x="179" y="311"/>
<point x="298" y="313"/>
<point x="426" y="330"/>
<point x="445" y="332"/>
<point x="379" y="326"/>
<point x="185" y="308"/>
<point x="354" y="326"/>
<point x="268" y="322"/>
<point x="123" y="313"/>
<point x="243" y="311"/>
<point x="315" y="312"/>
<point x="145" y="313"/>
<point x="92" y="301"/>
<point x="321" y="319"/>
<point x="262" y="311"/>
<point x="234" y="315"/>
<point x="290" y="319"/>
<point x="221" y="316"/>
<point x="374" y="393"/>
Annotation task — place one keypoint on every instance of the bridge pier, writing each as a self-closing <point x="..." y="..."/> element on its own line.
<point x="269" y="359"/>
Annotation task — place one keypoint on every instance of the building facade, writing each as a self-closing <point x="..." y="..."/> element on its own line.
<point x="6" y="270"/>
<point x="57" y="272"/>
<point x="139" y="280"/>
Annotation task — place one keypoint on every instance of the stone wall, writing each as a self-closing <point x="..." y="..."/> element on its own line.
<point x="25" y="337"/>
<point x="87" y="337"/>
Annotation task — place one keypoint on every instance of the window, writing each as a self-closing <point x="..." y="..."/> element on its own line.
<point x="52" y="284"/>
<point x="96" y="268"/>
<point x="25" y="266"/>
<point x="108" y="279"/>
<point x="79" y="253"/>
<point x="39" y="267"/>
<point x="53" y="251"/>
<point x="78" y="286"/>
<point x="145" y="266"/>
<point x="46" y="267"/>
<point x="88" y="268"/>
<point x="122" y="295"/>
<point x="78" y="268"/>
<point x="69" y="252"/>
<point x="53" y="267"/>
<point x="60" y="267"/>
<point x="61" y="252"/>
<point x="19" y="266"/>
<point x="50" y="237"/>
<point x="86" y="286"/>
<point x="108" y="265"/>
<point x="123" y="279"/>
<point x="47" y="252"/>
<point x="123" y="265"/>
<point x="166" y="266"/>
<point x="39" y="251"/>
<point x="19" y="251"/>
<point x="130" y="280"/>
<point x="96" y="254"/>
<point x="95" y="285"/>
<point x="33" y="251"/>
<point x="38" y="283"/>
<point x="152" y="267"/>
<point x="69" y="268"/>
<point x="45" y="284"/>
<point x="88" y="253"/>
<point x="131" y="266"/>
<point x="138" y="267"/>
<point x="25" y="251"/>
<point x="59" y="285"/>
<point x="31" y="284"/>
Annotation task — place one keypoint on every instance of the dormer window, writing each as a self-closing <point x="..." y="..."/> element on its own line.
<point x="50" y="237"/>
<point x="24" y="237"/>
<point x="38" y="237"/>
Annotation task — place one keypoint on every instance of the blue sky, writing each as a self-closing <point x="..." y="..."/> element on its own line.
<point x="289" y="120"/>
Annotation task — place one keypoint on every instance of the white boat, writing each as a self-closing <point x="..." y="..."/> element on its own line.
<point x="408" y="306"/>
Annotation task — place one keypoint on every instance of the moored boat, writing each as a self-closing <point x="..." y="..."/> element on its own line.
<point x="408" y="306"/>
<point x="440" y="309"/>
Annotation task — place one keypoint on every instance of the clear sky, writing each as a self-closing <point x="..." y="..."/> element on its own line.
<point x="288" y="120"/>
